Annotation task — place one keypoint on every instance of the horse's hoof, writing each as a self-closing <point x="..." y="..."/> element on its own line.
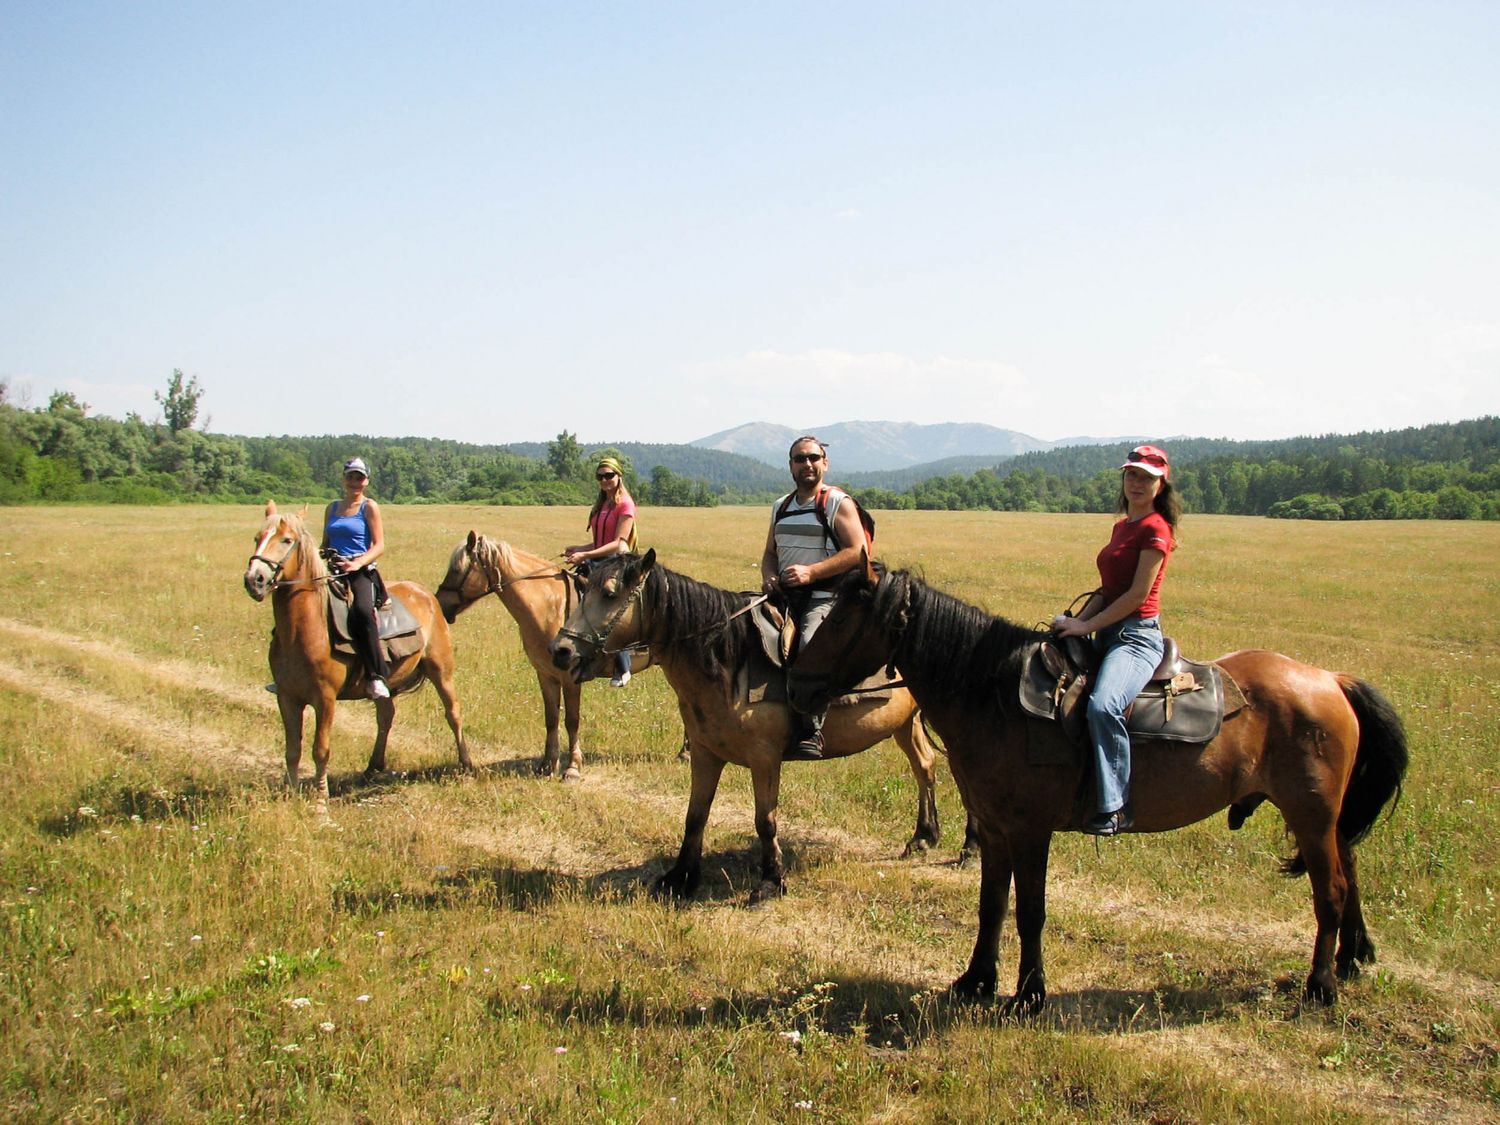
<point x="768" y="889"/>
<point x="973" y="986"/>
<point x="675" y="886"/>
<point x="1025" y="1007"/>
<point x="572" y="773"/>
<point x="1321" y="992"/>
<point x="915" y="847"/>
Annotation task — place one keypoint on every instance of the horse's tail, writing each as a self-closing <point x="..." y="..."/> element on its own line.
<point x="1379" y="765"/>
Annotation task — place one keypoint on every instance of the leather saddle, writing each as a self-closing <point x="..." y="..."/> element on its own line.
<point x="400" y="631"/>
<point x="1184" y="701"/>
<point x="762" y="677"/>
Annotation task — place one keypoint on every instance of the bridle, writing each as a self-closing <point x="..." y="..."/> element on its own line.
<point x="495" y="582"/>
<point x="596" y="638"/>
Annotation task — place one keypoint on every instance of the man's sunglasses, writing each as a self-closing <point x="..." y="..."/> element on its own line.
<point x="806" y="458"/>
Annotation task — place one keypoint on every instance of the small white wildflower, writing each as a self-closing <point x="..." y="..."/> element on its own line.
<point x="362" y="999"/>
<point x="326" y="1025"/>
<point x="291" y="1047"/>
<point x="526" y="988"/>
<point x="196" y="937"/>
<point x="299" y="1003"/>
<point x="802" y="1105"/>
<point x="793" y="1036"/>
<point x="559" y="1050"/>
<point x="87" y="811"/>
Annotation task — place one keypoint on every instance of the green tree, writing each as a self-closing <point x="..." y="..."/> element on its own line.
<point x="180" y="403"/>
<point x="565" y="457"/>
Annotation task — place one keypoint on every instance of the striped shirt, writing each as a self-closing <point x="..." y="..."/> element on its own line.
<point x="800" y="538"/>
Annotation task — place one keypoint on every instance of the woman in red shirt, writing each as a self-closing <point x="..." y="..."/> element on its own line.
<point x="612" y="527"/>
<point x="1123" y="616"/>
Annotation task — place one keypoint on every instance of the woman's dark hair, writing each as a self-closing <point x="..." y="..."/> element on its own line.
<point x="1167" y="504"/>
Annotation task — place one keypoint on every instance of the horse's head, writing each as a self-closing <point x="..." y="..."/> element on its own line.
<point x="848" y="646"/>
<point x="471" y="576"/>
<point x="607" y="617"/>
<point x="282" y="550"/>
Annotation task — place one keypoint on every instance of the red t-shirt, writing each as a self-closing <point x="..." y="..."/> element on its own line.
<point x="606" y="524"/>
<point x="1121" y="558"/>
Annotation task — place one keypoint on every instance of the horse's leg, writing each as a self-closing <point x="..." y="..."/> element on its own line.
<point x="682" y="879"/>
<point x="922" y="758"/>
<point x="1029" y="858"/>
<point x="572" y="693"/>
<point x="970" y="850"/>
<point x="1354" y="940"/>
<point x="979" y="978"/>
<point x="291" y="726"/>
<point x="322" y="743"/>
<point x="551" y="706"/>
<point x="1320" y="851"/>
<point x="767" y="784"/>
<point x="441" y="676"/>
<point x="385" y="714"/>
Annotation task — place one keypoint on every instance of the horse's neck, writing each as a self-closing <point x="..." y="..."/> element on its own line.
<point x="300" y="606"/>
<point x="527" y="589"/>
<point x="948" y="644"/>
<point x="678" y="632"/>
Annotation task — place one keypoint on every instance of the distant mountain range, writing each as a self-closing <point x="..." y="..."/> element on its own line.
<point x="863" y="447"/>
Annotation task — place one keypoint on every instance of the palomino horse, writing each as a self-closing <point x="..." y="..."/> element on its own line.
<point x="700" y="636"/>
<point x="539" y="595"/>
<point x="309" y="673"/>
<point x="1326" y="749"/>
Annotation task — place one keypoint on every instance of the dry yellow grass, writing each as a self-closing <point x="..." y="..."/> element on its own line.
<point x="168" y="911"/>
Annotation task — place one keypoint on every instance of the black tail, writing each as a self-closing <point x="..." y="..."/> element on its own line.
<point x="1379" y="765"/>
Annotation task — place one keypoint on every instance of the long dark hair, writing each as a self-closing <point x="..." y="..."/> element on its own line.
<point x="1167" y="504"/>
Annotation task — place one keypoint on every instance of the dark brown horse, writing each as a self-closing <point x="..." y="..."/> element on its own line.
<point x="1326" y="749"/>
<point x="701" y="636"/>
<point x="307" y="670"/>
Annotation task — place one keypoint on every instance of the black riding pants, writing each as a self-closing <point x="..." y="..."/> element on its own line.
<point x="364" y="628"/>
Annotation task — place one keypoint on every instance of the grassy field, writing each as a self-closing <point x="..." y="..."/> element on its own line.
<point x="181" y="940"/>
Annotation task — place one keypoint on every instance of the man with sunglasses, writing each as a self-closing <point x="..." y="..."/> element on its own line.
<point x="814" y="538"/>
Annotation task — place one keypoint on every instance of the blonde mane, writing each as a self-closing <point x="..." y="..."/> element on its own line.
<point x="312" y="560"/>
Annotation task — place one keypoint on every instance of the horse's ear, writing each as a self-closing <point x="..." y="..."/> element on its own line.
<point x="270" y="507"/>
<point x="649" y="561"/>
<point x="869" y="564"/>
<point x="302" y="515"/>
<point x="473" y="541"/>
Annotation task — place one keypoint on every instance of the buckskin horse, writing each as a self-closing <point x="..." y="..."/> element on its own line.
<point x="539" y="595"/>
<point x="1326" y="749"/>
<point x="307" y="669"/>
<point x="701" y="636"/>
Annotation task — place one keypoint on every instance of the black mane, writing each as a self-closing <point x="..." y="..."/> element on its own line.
<point x="958" y="650"/>
<point x="687" y="618"/>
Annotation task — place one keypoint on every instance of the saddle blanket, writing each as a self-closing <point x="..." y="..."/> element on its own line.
<point x="400" y="631"/>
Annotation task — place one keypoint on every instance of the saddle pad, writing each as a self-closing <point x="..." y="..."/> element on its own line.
<point x="399" y="628"/>
<point x="1196" y="715"/>
<point x="759" y="681"/>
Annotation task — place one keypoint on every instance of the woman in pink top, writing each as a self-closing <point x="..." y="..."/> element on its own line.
<point x="612" y="527"/>
<point x="1122" y="615"/>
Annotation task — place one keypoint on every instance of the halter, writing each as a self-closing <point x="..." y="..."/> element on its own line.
<point x="596" y="638"/>
<point x="278" y="565"/>
<point x="495" y="581"/>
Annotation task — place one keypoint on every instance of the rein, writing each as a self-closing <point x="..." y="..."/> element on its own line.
<point x="496" y="582"/>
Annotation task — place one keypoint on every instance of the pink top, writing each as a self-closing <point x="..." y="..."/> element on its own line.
<point x="1121" y="558"/>
<point x="607" y="523"/>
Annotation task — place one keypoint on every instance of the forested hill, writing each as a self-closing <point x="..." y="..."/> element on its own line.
<point x="63" y="453"/>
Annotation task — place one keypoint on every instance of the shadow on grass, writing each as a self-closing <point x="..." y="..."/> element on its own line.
<point x="97" y="804"/>
<point x="886" y="1015"/>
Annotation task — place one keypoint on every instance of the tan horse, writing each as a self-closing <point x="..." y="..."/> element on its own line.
<point x="1324" y="748"/>
<point x="539" y="595"/>
<point x="699" y="636"/>
<point x="309" y="673"/>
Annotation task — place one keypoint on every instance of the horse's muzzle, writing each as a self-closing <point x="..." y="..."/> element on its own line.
<point x="256" y="586"/>
<point x="566" y="658"/>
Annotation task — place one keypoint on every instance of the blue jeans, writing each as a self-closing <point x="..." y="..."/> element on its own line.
<point x="1130" y="650"/>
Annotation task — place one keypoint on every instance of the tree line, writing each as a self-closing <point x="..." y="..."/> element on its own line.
<point x="64" y="453"/>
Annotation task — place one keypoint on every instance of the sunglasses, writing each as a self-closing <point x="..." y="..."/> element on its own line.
<point x="1156" y="459"/>
<point x="806" y="458"/>
<point x="605" y="476"/>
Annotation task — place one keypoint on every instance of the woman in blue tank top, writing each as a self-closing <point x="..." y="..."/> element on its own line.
<point x="352" y="528"/>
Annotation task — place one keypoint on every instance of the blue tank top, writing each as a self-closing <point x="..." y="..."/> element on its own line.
<point x="348" y="535"/>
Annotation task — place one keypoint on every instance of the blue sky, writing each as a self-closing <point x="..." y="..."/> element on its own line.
<point x="651" y="222"/>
